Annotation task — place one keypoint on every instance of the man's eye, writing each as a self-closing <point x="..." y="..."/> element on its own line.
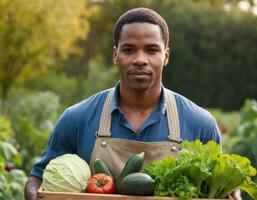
<point x="127" y="50"/>
<point x="153" y="51"/>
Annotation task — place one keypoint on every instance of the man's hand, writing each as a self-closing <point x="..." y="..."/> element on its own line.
<point x="31" y="187"/>
<point x="236" y="195"/>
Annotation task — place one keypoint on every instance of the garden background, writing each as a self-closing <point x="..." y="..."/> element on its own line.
<point x="55" y="53"/>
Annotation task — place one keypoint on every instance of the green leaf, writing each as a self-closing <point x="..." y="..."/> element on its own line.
<point x="5" y="192"/>
<point x="226" y="176"/>
<point x="201" y="171"/>
<point x="9" y="153"/>
<point x="249" y="187"/>
<point x="17" y="176"/>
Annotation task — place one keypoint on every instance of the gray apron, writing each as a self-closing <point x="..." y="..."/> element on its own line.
<point x="115" y="151"/>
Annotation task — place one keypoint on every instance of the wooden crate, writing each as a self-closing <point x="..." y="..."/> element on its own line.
<point x="44" y="195"/>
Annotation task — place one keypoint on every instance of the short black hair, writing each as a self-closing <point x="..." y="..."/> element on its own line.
<point x="141" y="15"/>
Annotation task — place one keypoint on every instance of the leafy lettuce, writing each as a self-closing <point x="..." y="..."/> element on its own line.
<point x="202" y="171"/>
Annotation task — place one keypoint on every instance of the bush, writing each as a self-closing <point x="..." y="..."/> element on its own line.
<point x="12" y="179"/>
<point x="41" y="108"/>
<point x="227" y="122"/>
<point x="65" y="88"/>
<point x="99" y="78"/>
<point x="6" y="131"/>
<point x="246" y="134"/>
<point x="32" y="118"/>
<point x="210" y="61"/>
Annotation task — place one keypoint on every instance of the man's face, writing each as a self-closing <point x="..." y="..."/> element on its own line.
<point x="140" y="56"/>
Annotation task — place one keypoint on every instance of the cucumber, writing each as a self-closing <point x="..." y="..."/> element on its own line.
<point x="133" y="165"/>
<point x="101" y="167"/>
<point x="140" y="184"/>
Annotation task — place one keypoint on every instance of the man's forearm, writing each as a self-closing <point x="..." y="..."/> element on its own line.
<point x="31" y="187"/>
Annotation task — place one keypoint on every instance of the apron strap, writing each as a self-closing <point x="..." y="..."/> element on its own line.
<point x="106" y="118"/>
<point x="171" y="112"/>
<point x="172" y="117"/>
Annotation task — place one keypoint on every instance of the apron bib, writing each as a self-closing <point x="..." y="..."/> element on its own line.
<point x="115" y="151"/>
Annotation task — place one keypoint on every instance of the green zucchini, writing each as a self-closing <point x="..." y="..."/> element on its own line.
<point x="133" y="165"/>
<point x="140" y="184"/>
<point x="101" y="167"/>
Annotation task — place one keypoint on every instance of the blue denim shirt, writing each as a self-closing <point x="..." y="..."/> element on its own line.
<point x="76" y="128"/>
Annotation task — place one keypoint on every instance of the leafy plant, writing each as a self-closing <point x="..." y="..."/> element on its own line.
<point x="11" y="182"/>
<point x="32" y="119"/>
<point x="246" y="133"/>
<point x="6" y="131"/>
<point x="40" y="107"/>
<point x="202" y="171"/>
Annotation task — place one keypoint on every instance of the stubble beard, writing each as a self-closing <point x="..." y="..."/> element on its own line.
<point x="138" y="86"/>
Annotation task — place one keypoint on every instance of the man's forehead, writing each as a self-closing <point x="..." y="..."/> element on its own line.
<point x="140" y="26"/>
<point x="144" y="30"/>
<point x="132" y="44"/>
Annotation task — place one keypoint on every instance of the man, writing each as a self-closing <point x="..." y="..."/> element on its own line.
<point x="139" y="114"/>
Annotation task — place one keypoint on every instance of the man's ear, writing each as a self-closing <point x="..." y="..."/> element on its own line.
<point x="167" y="55"/>
<point x="114" y="54"/>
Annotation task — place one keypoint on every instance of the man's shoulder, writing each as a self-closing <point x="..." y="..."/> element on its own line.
<point x="197" y="119"/>
<point x="192" y="110"/>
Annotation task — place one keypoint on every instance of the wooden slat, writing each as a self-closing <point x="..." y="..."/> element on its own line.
<point x="43" y="195"/>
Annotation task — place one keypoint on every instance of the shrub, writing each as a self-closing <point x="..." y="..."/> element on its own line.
<point x="11" y="180"/>
<point x="32" y="118"/>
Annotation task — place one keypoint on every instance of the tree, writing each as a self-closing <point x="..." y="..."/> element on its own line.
<point x="212" y="60"/>
<point x="34" y="33"/>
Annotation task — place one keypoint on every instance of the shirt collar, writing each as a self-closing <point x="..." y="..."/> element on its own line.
<point x="115" y="101"/>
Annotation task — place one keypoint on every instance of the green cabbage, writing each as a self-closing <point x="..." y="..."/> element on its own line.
<point x="66" y="173"/>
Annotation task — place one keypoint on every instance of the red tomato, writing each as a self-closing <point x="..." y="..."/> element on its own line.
<point x="100" y="183"/>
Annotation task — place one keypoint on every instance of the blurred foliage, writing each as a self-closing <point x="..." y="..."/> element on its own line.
<point x="246" y="132"/>
<point x="65" y="87"/>
<point x="33" y="117"/>
<point x="11" y="180"/>
<point x="227" y="123"/>
<point x="6" y="131"/>
<point x="40" y="107"/>
<point x="72" y="89"/>
<point x="9" y="153"/>
<point x="12" y="183"/>
<point x="245" y="139"/>
<point x="209" y="54"/>
<point x="33" y="34"/>
<point x="98" y="78"/>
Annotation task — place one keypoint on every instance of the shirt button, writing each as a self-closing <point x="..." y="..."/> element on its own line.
<point x="103" y="144"/>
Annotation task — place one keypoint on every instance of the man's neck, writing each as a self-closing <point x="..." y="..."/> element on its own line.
<point x="139" y="101"/>
<point x="138" y="105"/>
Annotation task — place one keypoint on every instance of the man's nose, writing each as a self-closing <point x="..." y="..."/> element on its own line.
<point x="140" y="59"/>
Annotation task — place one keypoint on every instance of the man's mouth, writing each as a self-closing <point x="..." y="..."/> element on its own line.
<point x="139" y="73"/>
